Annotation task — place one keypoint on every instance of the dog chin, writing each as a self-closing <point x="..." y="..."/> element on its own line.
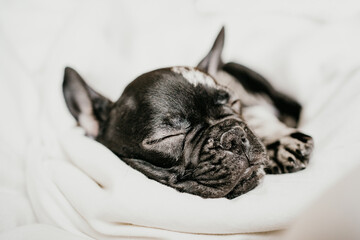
<point x="237" y="173"/>
<point x="251" y="179"/>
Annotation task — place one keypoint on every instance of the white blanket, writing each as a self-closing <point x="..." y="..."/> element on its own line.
<point x="50" y="171"/>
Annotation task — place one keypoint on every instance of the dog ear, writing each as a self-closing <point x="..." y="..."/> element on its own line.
<point x="212" y="62"/>
<point x="89" y="108"/>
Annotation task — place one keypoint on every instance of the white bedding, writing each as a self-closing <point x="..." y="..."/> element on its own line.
<point x="49" y="169"/>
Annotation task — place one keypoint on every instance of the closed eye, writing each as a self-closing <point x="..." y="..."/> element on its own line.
<point x="226" y="111"/>
<point x="150" y="141"/>
<point x="237" y="101"/>
<point x="169" y="144"/>
<point x="236" y="106"/>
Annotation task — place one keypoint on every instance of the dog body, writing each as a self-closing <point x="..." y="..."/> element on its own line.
<point x="210" y="130"/>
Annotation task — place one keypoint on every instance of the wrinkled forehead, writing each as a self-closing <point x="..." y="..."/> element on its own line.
<point x="179" y="88"/>
<point x="194" y="76"/>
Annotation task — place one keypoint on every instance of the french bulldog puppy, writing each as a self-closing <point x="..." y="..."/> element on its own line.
<point x="211" y="130"/>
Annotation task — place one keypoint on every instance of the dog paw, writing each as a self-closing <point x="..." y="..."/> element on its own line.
<point x="289" y="154"/>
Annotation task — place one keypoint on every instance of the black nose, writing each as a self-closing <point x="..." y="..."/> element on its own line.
<point x="234" y="137"/>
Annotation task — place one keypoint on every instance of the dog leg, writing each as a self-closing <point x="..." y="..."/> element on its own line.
<point x="288" y="148"/>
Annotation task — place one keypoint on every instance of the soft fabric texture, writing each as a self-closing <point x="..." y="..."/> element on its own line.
<point x="335" y="215"/>
<point x="53" y="175"/>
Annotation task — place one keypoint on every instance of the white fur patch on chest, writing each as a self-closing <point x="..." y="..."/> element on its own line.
<point x="194" y="76"/>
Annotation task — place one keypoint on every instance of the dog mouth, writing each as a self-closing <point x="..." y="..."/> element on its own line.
<point x="235" y="164"/>
<point x="252" y="178"/>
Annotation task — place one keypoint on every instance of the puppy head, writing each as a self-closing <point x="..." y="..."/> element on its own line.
<point x="176" y="116"/>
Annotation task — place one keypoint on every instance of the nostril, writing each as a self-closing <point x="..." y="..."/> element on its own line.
<point x="233" y="137"/>
<point x="226" y="140"/>
<point x="243" y="139"/>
